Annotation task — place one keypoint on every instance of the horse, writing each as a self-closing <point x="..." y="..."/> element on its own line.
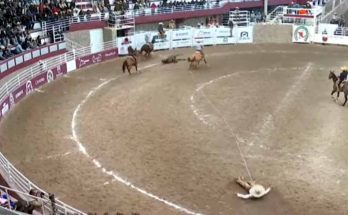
<point x="171" y="59"/>
<point x="196" y="58"/>
<point x="132" y="51"/>
<point x="147" y="48"/>
<point x="128" y="63"/>
<point x="336" y="88"/>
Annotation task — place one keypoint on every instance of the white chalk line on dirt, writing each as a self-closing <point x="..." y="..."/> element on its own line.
<point x="97" y="163"/>
<point x="267" y="126"/>
<point x="238" y="139"/>
<point x="204" y="118"/>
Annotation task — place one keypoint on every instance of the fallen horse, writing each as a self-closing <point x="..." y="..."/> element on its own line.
<point x="172" y="59"/>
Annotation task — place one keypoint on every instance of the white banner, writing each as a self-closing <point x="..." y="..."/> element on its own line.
<point x="181" y="38"/>
<point x="302" y="34"/>
<point x="203" y="36"/>
<point x="330" y="39"/>
<point x="188" y="38"/>
<point x="245" y="34"/>
<point x="123" y="43"/>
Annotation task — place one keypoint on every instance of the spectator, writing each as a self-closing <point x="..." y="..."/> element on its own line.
<point x="172" y="24"/>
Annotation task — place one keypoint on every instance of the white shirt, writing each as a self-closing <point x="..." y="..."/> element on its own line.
<point x="199" y="47"/>
<point x="256" y="191"/>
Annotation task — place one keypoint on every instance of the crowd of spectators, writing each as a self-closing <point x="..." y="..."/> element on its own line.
<point x="120" y="6"/>
<point x="17" y="20"/>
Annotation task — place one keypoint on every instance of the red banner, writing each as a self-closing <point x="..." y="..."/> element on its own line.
<point x="96" y="58"/>
<point x="18" y="94"/>
<point x="54" y="73"/>
<point x="39" y="80"/>
<point x="4" y="107"/>
<point x="110" y="54"/>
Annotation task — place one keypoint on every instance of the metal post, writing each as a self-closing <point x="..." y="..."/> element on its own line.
<point x="265" y="7"/>
<point x="8" y="200"/>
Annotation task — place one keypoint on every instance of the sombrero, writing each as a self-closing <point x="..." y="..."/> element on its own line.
<point x="344" y="68"/>
<point x="257" y="191"/>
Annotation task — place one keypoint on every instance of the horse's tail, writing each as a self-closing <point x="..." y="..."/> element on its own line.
<point x="124" y="66"/>
<point x="188" y="59"/>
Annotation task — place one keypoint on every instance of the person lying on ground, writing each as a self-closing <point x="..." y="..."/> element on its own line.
<point x="255" y="190"/>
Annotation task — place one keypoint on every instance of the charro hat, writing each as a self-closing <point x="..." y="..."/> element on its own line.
<point x="257" y="191"/>
<point x="344" y="68"/>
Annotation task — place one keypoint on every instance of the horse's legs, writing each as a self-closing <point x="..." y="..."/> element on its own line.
<point x="136" y="67"/>
<point x="205" y="61"/>
<point x="129" y="70"/>
<point x="333" y="91"/>
<point x="338" y="94"/>
<point x="345" y="99"/>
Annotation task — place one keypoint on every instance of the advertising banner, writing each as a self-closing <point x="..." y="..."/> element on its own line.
<point x="225" y="36"/>
<point x="330" y="39"/>
<point x="84" y="61"/>
<point x="18" y="94"/>
<point x="4" y="106"/>
<point x="181" y="38"/>
<point x="123" y="43"/>
<point x="302" y="34"/>
<point x="244" y="34"/>
<point x="39" y="80"/>
<point x="56" y="72"/>
<point x="203" y="36"/>
<point x="110" y="54"/>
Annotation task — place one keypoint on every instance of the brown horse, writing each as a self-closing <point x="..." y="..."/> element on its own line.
<point x="147" y="48"/>
<point x="196" y="58"/>
<point x="336" y="88"/>
<point x="128" y="63"/>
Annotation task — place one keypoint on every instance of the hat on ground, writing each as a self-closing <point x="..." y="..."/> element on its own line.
<point x="257" y="191"/>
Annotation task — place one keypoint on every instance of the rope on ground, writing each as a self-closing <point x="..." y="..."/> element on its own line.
<point x="237" y="141"/>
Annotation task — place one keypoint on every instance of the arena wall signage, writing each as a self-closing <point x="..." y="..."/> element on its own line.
<point x="302" y="33"/>
<point x="96" y="58"/>
<point x="50" y="75"/>
<point x="189" y="37"/>
<point x="330" y="34"/>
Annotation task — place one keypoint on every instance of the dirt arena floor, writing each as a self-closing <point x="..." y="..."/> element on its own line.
<point x="165" y="141"/>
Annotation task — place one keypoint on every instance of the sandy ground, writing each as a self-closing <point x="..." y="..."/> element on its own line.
<point x="175" y="134"/>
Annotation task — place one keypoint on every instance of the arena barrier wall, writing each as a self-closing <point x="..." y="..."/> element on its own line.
<point x="26" y="58"/>
<point x="323" y="34"/>
<point x="187" y="38"/>
<point x="25" y="83"/>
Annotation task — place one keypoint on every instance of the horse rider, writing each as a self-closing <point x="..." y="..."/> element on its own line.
<point x="343" y="76"/>
<point x="255" y="190"/>
<point x="131" y="52"/>
<point x="199" y="48"/>
<point x="161" y="29"/>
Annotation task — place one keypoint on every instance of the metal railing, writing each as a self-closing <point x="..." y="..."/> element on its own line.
<point x="65" y="23"/>
<point x="19" y="183"/>
<point x="45" y="208"/>
<point x="185" y="8"/>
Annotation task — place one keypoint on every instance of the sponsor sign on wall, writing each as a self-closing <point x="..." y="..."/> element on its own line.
<point x="181" y="38"/>
<point x="123" y="43"/>
<point x="203" y="36"/>
<point x="244" y="34"/>
<point x="5" y="106"/>
<point x="110" y="54"/>
<point x="96" y="58"/>
<point x="19" y="93"/>
<point x="39" y="80"/>
<point x="302" y="34"/>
